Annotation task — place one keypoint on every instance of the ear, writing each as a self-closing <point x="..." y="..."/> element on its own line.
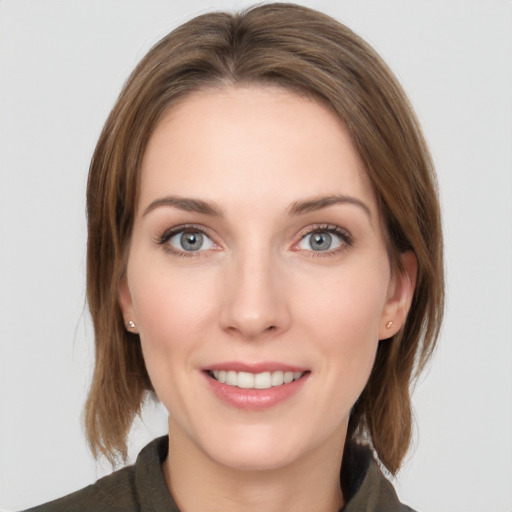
<point x="400" y="294"/>
<point x="124" y="300"/>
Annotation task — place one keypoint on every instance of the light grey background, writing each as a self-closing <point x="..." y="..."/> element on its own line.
<point x="62" y="64"/>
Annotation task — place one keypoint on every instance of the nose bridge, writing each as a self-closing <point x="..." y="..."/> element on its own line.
<point x="255" y="302"/>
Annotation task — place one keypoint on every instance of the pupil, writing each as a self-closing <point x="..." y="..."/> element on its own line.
<point x="191" y="241"/>
<point x="320" y="241"/>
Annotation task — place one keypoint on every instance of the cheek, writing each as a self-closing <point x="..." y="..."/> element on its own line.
<point x="172" y="309"/>
<point x="342" y="319"/>
<point x="348" y="305"/>
<point x="172" y="314"/>
<point x="170" y="302"/>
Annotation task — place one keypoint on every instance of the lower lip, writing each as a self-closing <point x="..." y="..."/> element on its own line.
<point x="255" y="399"/>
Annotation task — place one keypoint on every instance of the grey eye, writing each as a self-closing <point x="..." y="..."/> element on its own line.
<point x="190" y="241"/>
<point x="320" y="241"/>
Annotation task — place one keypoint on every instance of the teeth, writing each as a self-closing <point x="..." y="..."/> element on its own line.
<point x="277" y="379"/>
<point x="263" y="380"/>
<point x="245" y="380"/>
<point x="248" y="380"/>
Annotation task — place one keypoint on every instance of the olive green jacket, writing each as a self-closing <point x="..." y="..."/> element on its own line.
<point x="141" y="487"/>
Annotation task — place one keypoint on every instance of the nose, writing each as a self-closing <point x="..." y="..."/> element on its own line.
<point x="254" y="296"/>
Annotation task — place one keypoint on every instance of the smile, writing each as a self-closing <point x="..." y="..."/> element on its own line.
<point x="247" y="380"/>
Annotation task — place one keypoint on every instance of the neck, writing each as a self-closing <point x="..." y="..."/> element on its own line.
<point x="199" y="483"/>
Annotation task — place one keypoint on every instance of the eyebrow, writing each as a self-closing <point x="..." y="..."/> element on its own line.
<point x="318" y="203"/>
<point x="297" y="208"/>
<point x="186" y="204"/>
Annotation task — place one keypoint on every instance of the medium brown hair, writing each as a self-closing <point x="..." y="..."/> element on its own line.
<point x="304" y="51"/>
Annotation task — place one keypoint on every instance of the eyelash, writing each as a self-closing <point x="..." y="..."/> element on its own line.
<point x="345" y="237"/>
<point x="169" y="233"/>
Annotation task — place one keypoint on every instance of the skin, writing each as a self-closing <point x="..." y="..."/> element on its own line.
<point x="257" y="291"/>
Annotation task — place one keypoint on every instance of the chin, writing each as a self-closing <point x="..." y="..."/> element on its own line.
<point x="254" y="459"/>
<point x="256" y="449"/>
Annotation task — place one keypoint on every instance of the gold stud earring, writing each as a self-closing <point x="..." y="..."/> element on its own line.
<point x="389" y="325"/>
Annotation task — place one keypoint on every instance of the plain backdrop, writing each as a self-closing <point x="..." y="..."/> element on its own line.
<point x="62" y="64"/>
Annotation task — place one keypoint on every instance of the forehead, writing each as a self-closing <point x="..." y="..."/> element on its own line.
<point x="268" y="141"/>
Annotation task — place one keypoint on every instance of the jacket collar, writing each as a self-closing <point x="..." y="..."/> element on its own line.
<point x="364" y="486"/>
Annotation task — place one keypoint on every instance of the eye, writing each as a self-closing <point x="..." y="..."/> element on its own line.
<point x="189" y="240"/>
<point x="324" y="239"/>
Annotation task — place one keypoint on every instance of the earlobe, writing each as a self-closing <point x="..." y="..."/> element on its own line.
<point x="400" y="297"/>
<point x="124" y="300"/>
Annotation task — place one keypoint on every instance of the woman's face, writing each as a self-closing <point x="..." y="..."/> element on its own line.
<point x="257" y="257"/>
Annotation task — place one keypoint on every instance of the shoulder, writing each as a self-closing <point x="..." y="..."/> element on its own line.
<point x="112" y="493"/>
<point x="365" y="485"/>
<point x="135" y="488"/>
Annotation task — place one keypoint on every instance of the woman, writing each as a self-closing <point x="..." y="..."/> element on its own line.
<point x="265" y="256"/>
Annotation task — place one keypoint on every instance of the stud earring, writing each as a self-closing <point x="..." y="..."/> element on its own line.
<point x="131" y="324"/>
<point x="389" y="325"/>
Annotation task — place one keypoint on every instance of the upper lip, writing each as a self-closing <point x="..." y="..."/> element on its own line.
<point x="269" y="366"/>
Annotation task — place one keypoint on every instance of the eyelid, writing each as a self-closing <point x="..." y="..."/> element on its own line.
<point x="343" y="234"/>
<point x="162" y="239"/>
